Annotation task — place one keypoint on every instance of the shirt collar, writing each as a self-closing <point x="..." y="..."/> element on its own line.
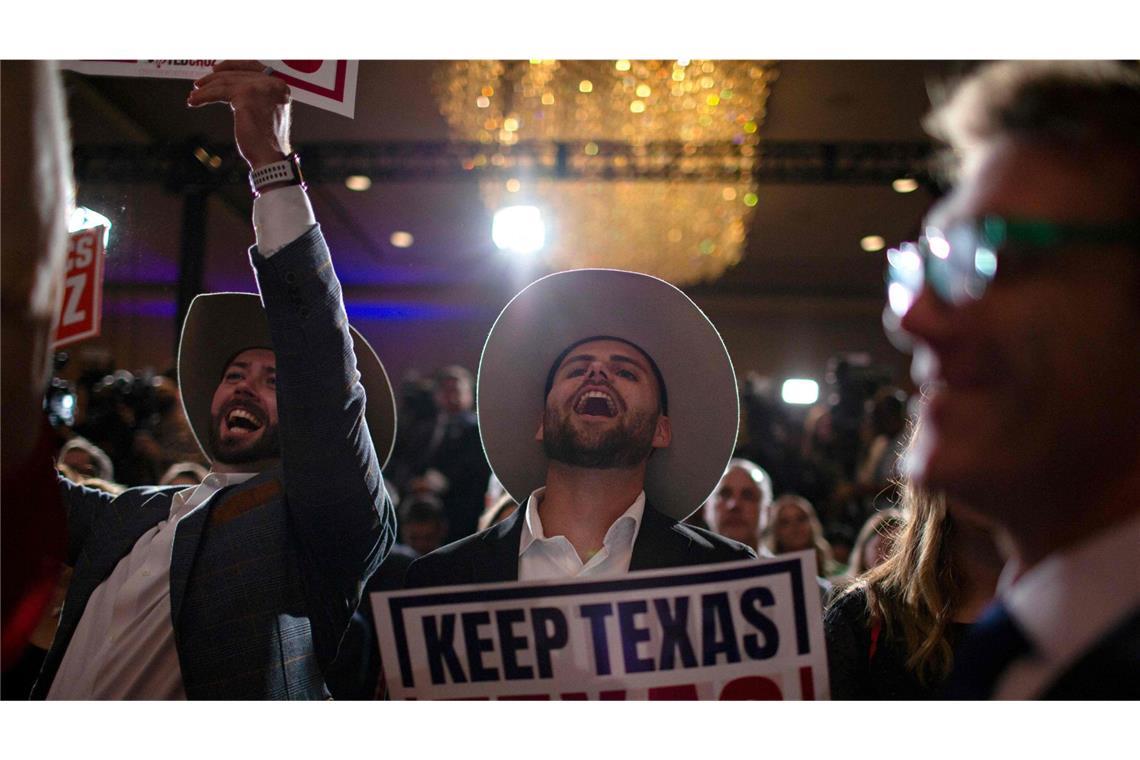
<point x="192" y="496"/>
<point x="1090" y="587"/>
<point x="623" y="531"/>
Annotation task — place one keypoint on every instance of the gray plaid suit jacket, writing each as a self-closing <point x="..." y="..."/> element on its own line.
<point x="264" y="575"/>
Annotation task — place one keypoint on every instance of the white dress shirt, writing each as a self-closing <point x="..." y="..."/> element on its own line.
<point x="1067" y="602"/>
<point x="123" y="646"/>
<point x="554" y="558"/>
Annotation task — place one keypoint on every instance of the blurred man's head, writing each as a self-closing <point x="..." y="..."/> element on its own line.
<point x="86" y="459"/>
<point x="423" y="523"/>
<point x="739" y="504"/>
<point x="1026" y="325"/>
<point x="454" y="390"/>
<point x="183" y="474"/>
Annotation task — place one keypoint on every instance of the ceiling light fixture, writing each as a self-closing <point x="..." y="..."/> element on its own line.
<point x="872" y="243"/>
<point x="358" y="182"/>
<point x="401" y="239"/>
<point x="611" y="214"/>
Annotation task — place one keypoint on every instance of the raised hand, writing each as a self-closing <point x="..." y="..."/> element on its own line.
<point x="260" y="103"/>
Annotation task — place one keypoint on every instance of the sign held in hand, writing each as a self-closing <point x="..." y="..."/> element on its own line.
<point x="328" y="85"/>
<point x="740" y="630"/>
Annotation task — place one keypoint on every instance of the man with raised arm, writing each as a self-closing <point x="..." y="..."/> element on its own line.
<point x="242" y="587"/>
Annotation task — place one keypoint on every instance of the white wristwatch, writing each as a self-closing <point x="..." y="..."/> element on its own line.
<point x="287" y="170"/>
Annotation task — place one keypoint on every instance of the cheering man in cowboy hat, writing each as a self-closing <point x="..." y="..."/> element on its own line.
<point x="242" y="587"/>
<point x="607" y="407"/>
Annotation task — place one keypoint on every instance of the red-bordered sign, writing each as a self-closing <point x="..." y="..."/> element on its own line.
<point x="329" y="85"/>
<point x="333" y="82"/>
<point x="81" y="310"/>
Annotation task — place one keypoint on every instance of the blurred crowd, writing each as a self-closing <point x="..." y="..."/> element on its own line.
<point x="832" y="467"/>
<point x="823" y="478"/>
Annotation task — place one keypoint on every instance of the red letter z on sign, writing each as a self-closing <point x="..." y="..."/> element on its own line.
<point x="81" y="310"/>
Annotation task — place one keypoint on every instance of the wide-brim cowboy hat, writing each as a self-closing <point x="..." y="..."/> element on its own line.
<point x="218" y="326"/>
<point x="561" y="309"/>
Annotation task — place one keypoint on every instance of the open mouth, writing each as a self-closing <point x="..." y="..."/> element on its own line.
<point x="242" y="420"/>
<point x="596" y="404"/>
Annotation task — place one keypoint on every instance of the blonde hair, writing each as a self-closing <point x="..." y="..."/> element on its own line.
<point x="823" y="557"/>
<point x="914" y="592"/>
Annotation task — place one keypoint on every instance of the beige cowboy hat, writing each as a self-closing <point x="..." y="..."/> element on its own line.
<point x="564" y="308"/>
<point x="220" y="325"/>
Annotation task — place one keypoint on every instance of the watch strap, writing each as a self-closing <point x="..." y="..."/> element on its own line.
<point x="287" y="171"/>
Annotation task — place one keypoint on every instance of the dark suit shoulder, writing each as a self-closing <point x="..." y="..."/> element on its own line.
<point x="663" y="542"/>
<point x="720" y="548"/>
<point x="1110" y="670"/>
<point x="440" y="567"/>
<point x="488" y="556"/>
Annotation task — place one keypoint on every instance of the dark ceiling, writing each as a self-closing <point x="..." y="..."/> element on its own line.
<point x="802" y="245"/>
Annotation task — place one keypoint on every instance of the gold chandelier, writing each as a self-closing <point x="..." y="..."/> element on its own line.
<point x="640" y="165"/>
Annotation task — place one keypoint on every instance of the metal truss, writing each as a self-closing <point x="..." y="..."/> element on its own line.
<point x="198" y="166"/>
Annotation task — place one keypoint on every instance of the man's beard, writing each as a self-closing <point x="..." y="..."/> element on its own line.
<point x="267" y="446"/>
<point x="621" y="447"/>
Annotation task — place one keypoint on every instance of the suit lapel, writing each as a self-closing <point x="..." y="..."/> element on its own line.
<point x="660" y="543"/>
<point x="188" y="535"/>
<point x="498" y="559"/>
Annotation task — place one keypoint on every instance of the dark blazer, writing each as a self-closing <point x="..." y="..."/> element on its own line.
<point x="264" y="575"/>
<point x="1109" y="670"/>
<point x="493" y="555"/>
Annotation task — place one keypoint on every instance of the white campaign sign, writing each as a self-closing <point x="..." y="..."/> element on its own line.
<point x="329" y="85"/>
<point x="741" y="630"/>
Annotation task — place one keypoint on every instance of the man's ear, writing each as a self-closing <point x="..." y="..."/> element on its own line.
<point x="663" y="434"/>
<point x="538" y="433"/>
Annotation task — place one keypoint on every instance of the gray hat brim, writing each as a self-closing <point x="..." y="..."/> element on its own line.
<point x="560" y="309"/>
<point x="220" y="325"/>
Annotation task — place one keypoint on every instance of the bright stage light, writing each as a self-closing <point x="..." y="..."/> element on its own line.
<point x="799" y="391"/>
<point x="518" y="229"/>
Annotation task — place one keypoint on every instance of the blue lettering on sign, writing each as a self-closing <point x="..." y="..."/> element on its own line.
<point x="597" y="614"/>
<point x="550" y="633"/>
<point x="440" y="644"/>
<point x="518" y="644"/>
<point x="675" y="632"/>
<point x="505" y="620"/>
<point x="477" y="645"/>
<point x="750" y="602"/>
<point x="718" y="633"/>
<point x="632" y="635"/>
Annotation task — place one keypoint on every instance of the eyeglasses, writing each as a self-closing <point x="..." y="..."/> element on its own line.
<point x="960" y="262"/>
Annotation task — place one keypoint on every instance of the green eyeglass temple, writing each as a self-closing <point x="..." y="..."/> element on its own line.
<point x="954" y="283"/>
<point x="997" y="231"/>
